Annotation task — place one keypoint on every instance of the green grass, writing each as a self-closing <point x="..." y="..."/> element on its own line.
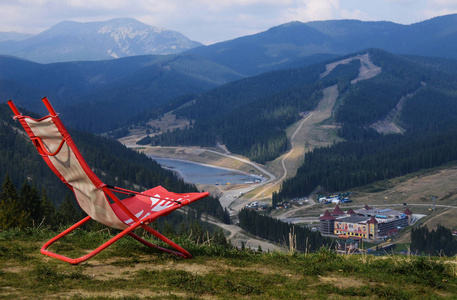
<point x="129" y="270"/>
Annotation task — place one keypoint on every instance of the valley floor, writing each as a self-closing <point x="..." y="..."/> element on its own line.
<point x="310" y="132"/>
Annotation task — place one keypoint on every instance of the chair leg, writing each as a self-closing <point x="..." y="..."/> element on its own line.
<point x="75" y="261"/>
<point x="180" y="251"/>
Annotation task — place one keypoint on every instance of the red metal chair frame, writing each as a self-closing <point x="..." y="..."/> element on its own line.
<point x="117" y="205"/>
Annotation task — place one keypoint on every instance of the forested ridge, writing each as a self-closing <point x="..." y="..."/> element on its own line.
<point x="350" y="164"/>
<point x="111" y="161"/>
<point x="250" y="116"/>
<point x="101" y="96"/>
<point x="250" y="119"/>
<point x="429" y="118"/>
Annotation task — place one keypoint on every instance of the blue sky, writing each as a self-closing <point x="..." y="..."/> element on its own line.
<point x="210" y="21"/>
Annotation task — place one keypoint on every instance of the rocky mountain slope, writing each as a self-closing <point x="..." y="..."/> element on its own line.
<point x="71" y="41"/>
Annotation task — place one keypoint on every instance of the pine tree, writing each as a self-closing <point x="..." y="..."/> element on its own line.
<point x="48" y="210"/>
<point x="8" y="191"/>
<point x="11" y="213"/>
<point x="169" y="229"/>
<point x="68" y="213"/>
<point x="219" y="238"/>
<point x="30" y="201"/>
<point x="196" y="232"/>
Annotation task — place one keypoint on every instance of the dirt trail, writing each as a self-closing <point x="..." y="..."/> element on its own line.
<point x="389" y="124"/>
<point x="367" y="69"/>
<point x="238" y="237"/>
<point x="300" y="140"/>
<point x="310" y="133"/>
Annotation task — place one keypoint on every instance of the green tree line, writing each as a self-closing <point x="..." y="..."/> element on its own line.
<point x="435" y="242"/>
<point x="28" y="207"/>
<point x="349" y="164"/>
<point x="277" y="231"/>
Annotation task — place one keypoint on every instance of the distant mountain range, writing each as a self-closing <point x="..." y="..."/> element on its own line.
<point x="13" y="36"/>
<point x="289" y="45"/>
<point x="74" y="41"/>
<point x="114" y="91"/>
<point x="297" y="44"/>
<point x="245" y="92"/>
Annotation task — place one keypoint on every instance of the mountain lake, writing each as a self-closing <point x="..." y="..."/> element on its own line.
<point x="205" y="174"/>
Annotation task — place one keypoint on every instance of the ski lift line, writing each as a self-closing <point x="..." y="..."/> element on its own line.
<point x="284" y="158"/>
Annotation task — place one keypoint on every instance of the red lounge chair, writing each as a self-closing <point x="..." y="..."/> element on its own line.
<point x="97" y="199"/>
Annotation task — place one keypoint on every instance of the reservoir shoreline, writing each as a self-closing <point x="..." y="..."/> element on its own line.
<point x="201" y="173"/>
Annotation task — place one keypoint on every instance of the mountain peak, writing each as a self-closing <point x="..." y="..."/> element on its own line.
<point x="120" y="37"/>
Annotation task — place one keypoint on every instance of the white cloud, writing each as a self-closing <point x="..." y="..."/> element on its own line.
<point x="355" y="15"/>
<point x="401" y="1"/>
<point x="431" y="13"/>
<point x="442" y="2"/>
<point x="313" y="10"/>
<point x="213" y="20"/>
<point x="223" y="4"/>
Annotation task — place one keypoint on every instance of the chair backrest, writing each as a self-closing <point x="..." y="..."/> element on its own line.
<point x="57" y="148"/>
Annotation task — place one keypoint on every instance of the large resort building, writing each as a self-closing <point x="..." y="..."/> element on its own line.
<point x="366" y="223"/>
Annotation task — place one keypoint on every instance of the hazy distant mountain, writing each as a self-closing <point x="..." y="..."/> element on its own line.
<point x="295" y="42"/>
<point x="13" y="36"/>
<point x="72" y="41"/>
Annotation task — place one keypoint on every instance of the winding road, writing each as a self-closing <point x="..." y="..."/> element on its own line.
<point x="309" y="133"/>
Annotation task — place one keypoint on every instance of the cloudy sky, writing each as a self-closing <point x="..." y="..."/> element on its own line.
<point x="210" y="21"/>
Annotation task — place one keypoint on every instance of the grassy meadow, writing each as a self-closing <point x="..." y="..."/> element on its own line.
<point x="129" y="270"/>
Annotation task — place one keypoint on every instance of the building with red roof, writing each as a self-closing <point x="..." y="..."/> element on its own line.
<point x="327" y="223"/>
<point x="366" y="223"/>
<point x="337" y="211"/>
<point x="350" y="212"/>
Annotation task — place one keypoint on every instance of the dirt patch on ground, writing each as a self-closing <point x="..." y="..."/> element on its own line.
<point x="154" y="127"/>
<point x="15" y="268"/>
<point x="447" y="219"/>
<point x="169" y="122"/>
<point x="342" y="282"/>
<point x="116" y="267"/>
<point x="120" y="293"/>
<point x="389" y="124"/>
<point x="414" y="189"/>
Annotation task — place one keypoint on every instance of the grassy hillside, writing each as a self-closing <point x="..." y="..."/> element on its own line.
<point x="129" y="270"/>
